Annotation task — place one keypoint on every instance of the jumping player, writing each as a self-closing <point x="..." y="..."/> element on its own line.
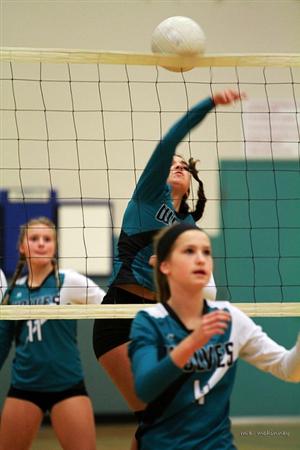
<point x="159" y="200"/>
<point x="47" y="372"/>
<point x="184" y="350"/>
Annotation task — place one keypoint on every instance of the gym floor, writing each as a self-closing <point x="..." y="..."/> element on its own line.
<point x="117" y="436"/>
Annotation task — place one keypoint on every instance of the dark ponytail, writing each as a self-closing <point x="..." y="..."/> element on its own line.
<point x="201" y="201"/>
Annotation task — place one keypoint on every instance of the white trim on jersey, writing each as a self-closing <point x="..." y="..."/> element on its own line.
<point x="252" y="344"/>
<point x="158" y="311"/>
<point x="76" y="289"/>
<point x="258" y="349"/>
<point x="3" y="285"/>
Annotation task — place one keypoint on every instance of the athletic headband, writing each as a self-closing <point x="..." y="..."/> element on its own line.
<point x="167" y="240"/>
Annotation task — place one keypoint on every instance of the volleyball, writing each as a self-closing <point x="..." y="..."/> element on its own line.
<point x="178" y="35"/>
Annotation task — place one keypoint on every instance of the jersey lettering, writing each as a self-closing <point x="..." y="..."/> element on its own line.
<point x="229" y="351"/>
<point x="200" y="393"/>
<point x="43" y="300"/>
<point x="166" y="215"/>
<point x="208" y="358"/>
<point x="35" y="329"/>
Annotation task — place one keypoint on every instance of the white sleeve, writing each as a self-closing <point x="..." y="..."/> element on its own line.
<point x="78" y="289"/>
<point x="3" y="285"/>
<point x="259" y="349"/>
<point x="210" y="290"/>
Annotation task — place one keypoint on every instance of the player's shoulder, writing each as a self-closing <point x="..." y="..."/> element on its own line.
<point x="149" y="320"/>
<point x="218" y="304"/>
<point x="70" y="274"/>
<point x="22" y="280"/>
<point x="157" y="311"/>
<point x="67" y="271"/>
<point x="240" y="319"/>
<point x="224" y="304"/>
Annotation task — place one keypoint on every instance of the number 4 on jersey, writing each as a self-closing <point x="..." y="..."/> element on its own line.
<point x="200" y="393"/>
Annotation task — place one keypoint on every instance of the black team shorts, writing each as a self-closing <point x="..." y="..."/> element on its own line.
<point x="110" y="333"/>
<point x="46" y="400"/>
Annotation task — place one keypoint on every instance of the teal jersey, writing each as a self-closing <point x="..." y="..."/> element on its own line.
<point x="188" y="409"/>
<point x="151" y="207"/>
<point x="46" y="353"/>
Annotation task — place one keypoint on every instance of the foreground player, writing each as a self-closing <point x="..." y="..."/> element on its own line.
<point x="159" y="200"/>
<point x="184" y="350"/>
<point x="47" y="373"/>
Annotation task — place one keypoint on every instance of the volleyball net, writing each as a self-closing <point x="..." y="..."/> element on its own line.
<point x="78" y="127"/>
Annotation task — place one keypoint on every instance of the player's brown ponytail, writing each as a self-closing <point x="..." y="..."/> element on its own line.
<point x="201" y="201"/>
<point x="19" y="268"/>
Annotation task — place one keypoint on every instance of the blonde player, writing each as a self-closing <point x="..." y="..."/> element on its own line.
<point x="46" y="373"/>
<point x="184" y="350"/>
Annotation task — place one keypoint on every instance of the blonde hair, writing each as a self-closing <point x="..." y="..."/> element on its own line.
<point x="22" y="260"/>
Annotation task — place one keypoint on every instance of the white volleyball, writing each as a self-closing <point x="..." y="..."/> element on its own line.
<point x="180" y="35"/>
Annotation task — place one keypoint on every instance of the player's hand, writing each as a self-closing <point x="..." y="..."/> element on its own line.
<point x="210" y="324"/>
<point x="228" y="96"/>
<point x="152" y="261"/>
